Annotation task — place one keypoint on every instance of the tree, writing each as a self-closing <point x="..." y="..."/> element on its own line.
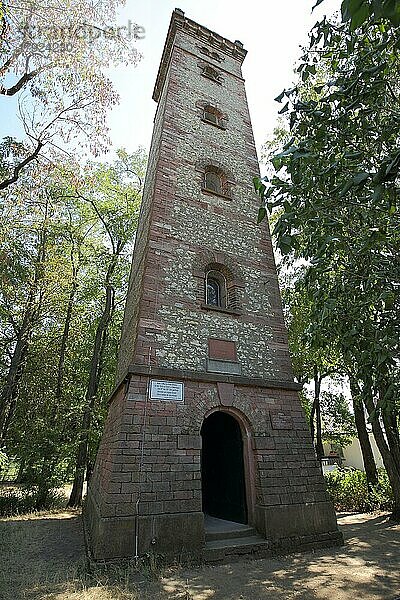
<point x="53" y="61"/>
<point x="336" y="184"/>
<point x="114" y="199"/>
<point x="357" y="12"/>
<point x="22" y="308"/>
<point x="338" y="422"/>
<point x="314" y="358"/>
<point x="70" y="357"/>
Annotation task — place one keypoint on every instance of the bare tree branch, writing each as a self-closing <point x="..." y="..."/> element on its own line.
<point x="20" y="166"/>
<point x="26" y="77"/>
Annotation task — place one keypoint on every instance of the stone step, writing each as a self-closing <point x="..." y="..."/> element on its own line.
<point x="224" y="550"/>
<point x="245" y="531"/>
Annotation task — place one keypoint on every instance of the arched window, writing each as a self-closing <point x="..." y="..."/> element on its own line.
<point x="212" y="115"/>
<point x="218" y="287"/>
<point x="216" y="181"/>
<point x="212" y="182"/>
<point x="215" y="289"/>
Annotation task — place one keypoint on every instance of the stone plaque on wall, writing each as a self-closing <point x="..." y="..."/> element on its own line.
<point x="166" y="390"/>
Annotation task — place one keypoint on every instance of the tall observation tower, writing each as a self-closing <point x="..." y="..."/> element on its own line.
<point x="205" y="432"/>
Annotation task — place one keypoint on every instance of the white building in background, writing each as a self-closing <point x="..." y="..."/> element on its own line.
<point x="352" y="456"/>
<point x="349" y="456"/>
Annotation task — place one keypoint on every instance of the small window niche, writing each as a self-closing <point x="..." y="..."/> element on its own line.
<point x="216" y="182"/>
<point x="220" y="289"/>
<point x="210" y="54"/>
<point x="216" y="56"/>
<point x="210" y="73"/>
<point x="213" y="116"/>
<point x="215" y="289"/>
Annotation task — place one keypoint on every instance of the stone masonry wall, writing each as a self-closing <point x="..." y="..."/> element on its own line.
<point x="284" y="472"/>
<point x="173" y="328"/>
<point x="132" y="305"/>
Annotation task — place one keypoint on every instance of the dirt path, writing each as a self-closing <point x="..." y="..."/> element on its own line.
<point x="43" y="558"/>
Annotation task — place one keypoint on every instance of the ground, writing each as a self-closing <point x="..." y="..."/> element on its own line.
<point x="43" y="557"/>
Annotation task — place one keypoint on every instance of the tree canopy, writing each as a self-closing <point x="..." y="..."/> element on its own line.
<point x="53" y="68"/>
<point x="66" y="242"/>
<point x="335" y="184"/>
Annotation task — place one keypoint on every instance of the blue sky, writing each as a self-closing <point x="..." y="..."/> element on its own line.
<point x="271" y="30"/>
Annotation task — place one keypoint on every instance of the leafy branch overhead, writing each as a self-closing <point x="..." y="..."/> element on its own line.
<point x="357" y="12"/>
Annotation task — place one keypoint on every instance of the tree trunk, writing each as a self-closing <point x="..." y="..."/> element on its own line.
<point x="362" y="434"/>
<point x="392" y="436"/>
<point x="21" y="471"/>
<point x="319" y="447"/>
<point x="93" y="383"/>
<point x="67" y="325"/>
<point x="10" y="392"/>
<point x="50" y="456"/>
<point x="388" y="459"/>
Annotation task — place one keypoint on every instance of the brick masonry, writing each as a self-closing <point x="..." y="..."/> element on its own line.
<point x="145" y="491"/>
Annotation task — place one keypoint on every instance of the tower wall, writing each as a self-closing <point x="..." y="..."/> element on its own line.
<point x="146" y="488"/>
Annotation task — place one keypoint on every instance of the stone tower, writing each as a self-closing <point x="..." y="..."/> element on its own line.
<point x="205" y="425"/>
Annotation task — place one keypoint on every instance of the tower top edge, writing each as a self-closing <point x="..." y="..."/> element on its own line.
<point x="180" y="22"/>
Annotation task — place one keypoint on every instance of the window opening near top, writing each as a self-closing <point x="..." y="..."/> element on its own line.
<point x="213" y="182"/>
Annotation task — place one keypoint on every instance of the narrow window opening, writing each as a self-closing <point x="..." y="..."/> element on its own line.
<point x="212" y="181"/>
<point x="211" y="115"/>
<point x="213" y="292"/>
<point x="215" y="289"/>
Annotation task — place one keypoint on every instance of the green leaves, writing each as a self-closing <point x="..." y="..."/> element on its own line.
<point x="334" y="195"/>
<point x="280" y="97"/>
<point x="259" y="185"/>
<point x="63" y="244"/>
<point x="318" y="2"/>
<point x="286" y="244"/>
<point x="357" y="11"/>
<point x="262" y="212"/>
<point x="356" y="180"/>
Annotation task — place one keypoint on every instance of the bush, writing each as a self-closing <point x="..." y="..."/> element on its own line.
<point x="18" y="501"/>
<point x="348" y="490"/>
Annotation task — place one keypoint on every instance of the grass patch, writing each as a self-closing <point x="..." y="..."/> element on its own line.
<point x="18" y="500"/>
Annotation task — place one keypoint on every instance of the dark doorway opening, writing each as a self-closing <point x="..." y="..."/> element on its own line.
<point x="222" y="468"/>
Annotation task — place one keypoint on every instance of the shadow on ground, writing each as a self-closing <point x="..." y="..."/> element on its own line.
<point x="45" y="558"/>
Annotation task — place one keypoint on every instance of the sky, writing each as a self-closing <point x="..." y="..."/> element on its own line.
<point x="272" y="32"/>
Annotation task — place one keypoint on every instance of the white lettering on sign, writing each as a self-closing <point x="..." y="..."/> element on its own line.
<point x="166" y="390"/>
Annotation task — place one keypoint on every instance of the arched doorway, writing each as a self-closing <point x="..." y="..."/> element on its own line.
<point x="222" y="468"/>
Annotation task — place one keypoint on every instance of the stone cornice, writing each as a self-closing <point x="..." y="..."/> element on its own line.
<point x="179" y="21"/>
<point x="186" y="375"/>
